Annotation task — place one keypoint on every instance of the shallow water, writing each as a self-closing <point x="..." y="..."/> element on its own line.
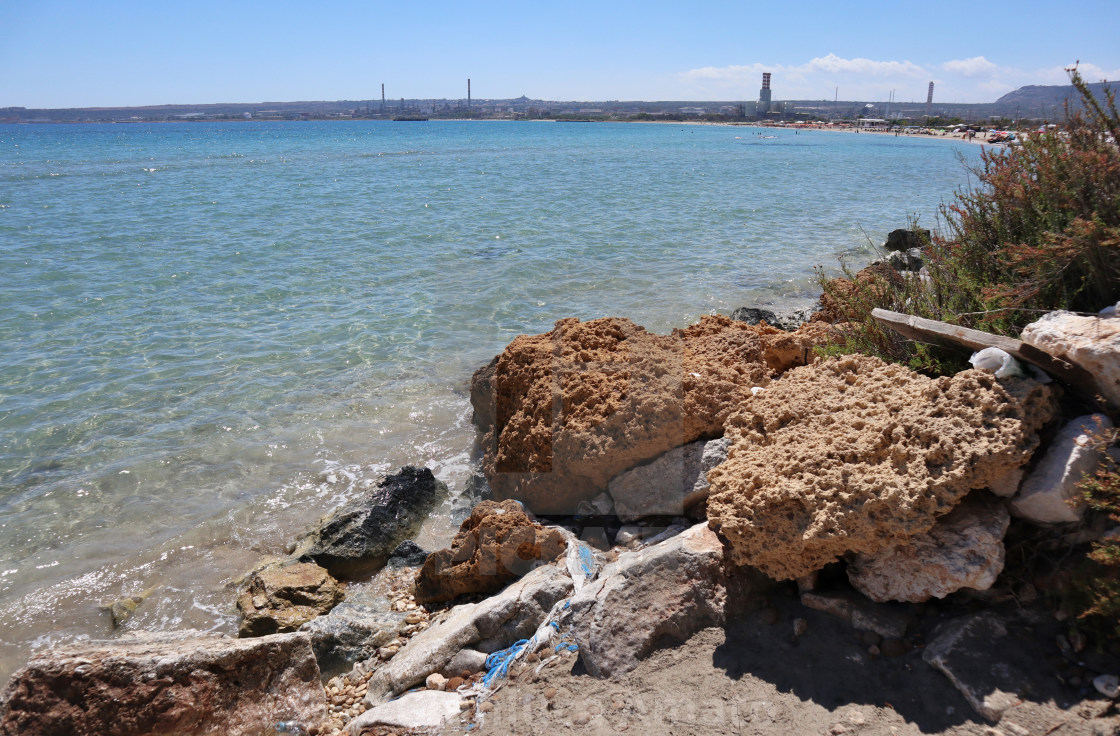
<point x="214" y="333"/>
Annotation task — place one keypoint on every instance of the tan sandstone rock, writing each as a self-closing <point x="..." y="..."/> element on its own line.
<point x="853" y="454"/>
<point x="496" y="544"/>
<point x="283" y="598"/>
<point x="566" y="411"/>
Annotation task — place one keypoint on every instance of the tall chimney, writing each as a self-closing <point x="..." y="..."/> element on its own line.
<point x="468" y="92"/>
<point x="929" y="99"/>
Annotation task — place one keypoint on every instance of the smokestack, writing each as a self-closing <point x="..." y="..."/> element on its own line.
<point x="929" y="99"/>
<point x="382" y="97"/>
<point x="764" y="94"/>
<point x="468" y="92"/>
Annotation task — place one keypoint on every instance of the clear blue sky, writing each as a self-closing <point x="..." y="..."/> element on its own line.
<point x="78" y="53"/>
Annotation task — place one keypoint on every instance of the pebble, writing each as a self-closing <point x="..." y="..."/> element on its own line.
<point x="454" y="684"/>
<point x="582" y="718"/>
<point x="486" y="707"/>
<point x="436" y="681"/>
<point x="800" y="626"/>
<point x="413" y="618"/>
<point x="550" y="693"/>
<point x="874" y="650"/>
<point x="838" y="729"/>
<point x="1107" y="685"/>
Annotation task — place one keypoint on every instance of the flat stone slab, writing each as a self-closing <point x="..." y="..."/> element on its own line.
<point x="962" y="650"/>
<point x="420" y="709"/>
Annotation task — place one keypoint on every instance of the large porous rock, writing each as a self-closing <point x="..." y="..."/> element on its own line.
<point x="497" y="544"/>
<point x="353" y="630"/>
<point x="665" y="592"/>
<point x="493" y="624"/>
<point x="167" y="684"/>
<point x="673" y="483"/>
<point x="566" y="411"/>
<point x="1049" y="494"/>
<point x="854" y="454"/>
<point x="283" y="598"/>
<point x="359" y="538"/>
<point x="964" y="549"/>
<point x="962" y="649"/>
<point x="1092" y="343"/>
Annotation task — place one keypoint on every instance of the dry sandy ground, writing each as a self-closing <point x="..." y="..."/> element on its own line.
<point x="756" y="677"/>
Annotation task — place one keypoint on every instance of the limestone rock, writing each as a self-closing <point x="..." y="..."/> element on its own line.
<point x="167" y="684"/>
<point x="566" y="411"/>
<point x="964" y="549"/>
<point x="423" y="709"/>
<point x="1045" y="495"/>
<point x="1093" y="343"/>
<point x="784" y="319"/>
<point x="961" y="650"/>
<point x="283" y="598"/>
<point x="676" y="481"/>
<point x="467" y="660"/>
<point x="359" y="538"/>
<point x="497" y="544"/>
<point x="493" y="624"/>
<point x="853" y="454"/>
<point x="669" y="590"/>
<point x="862" y="614"/>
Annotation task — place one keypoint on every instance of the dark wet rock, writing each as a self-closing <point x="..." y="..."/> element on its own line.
<point x="497" y="544"/>
<point x="353" y="631"/>
<point x="282" y="598"/>
<point x="359" y="538"/>
<point x="407" y="554"/>
<point x="904" y="239"/>
<point x="166" y="684"/>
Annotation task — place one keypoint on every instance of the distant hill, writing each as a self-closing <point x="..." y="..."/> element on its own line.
<point x="1037" y="94"/>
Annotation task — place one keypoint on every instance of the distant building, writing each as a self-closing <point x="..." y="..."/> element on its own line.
<point x="693" y="111"/>
<point x="764" y="95"/>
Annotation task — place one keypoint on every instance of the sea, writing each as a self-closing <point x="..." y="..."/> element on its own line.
<point x="213" y="333"/>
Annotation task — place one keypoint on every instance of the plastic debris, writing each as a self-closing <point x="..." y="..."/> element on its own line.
<point x="998" y="362"/>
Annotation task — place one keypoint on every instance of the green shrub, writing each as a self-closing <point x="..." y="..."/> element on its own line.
<point x="1100" y="585"/>
<point x="1041" y="231"/>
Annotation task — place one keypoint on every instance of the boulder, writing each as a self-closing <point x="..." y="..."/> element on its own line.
<point x="664" y="592"/>
<point x="167" y="684"/>
<point x="353" y="630"/>
<point x="854" y="454"/>
<point x="784" y="319"/>
<point x="904" y="239"/>
<point x="359" y="538"/>
<point x="283" y="598"/>
<point x="423" y="709"/>
<point x="493" y="624"/>
<point x="1091" y="343"/>
<point x="465" y="661"/>
<point x="566" y="411"/>
<point x="964" y="549"/>
<point x="407" y="554"/>
<point x="962" y="650"/>
<point x="497" y="544"/>
<point x="676" y="481"/>
<point x="1048" y="494"/>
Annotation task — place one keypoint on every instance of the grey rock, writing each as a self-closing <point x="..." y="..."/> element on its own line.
<point x="352" y="632"/>
<point x="1091" y="343"/>
<point x="171" y="684"/>
<point x="495" y="623"/>
<point x="665" y="591"/>
<point x="466" y="660"/>
<point x="1045" y="495"/>
<point x="423" y="709"/>
<point x="359" y="538"/>
<point x="788" y="319"/>
<point x="1107" y="685"/>
<point x="670" y="485"/>
<point x="964" y="549"/>
<point x="961" y="649"/>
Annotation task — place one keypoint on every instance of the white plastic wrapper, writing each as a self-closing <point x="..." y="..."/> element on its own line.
<point x="997" y="361"/>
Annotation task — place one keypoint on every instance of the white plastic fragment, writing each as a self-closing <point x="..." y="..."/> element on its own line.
<point x="1110" y="311"/>
<point x="756" y="390"/>
<point x="998" y="362"/>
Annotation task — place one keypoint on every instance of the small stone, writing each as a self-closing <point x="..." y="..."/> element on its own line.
<point x="1014" y="728"/>
<point x="874" y="650"/>
<point x="436" y="681"/>
<point x="413" y="618"/>
<point x="989" y="731"/>
<point x="528" y="698"/>
<point x="1107" y="685"/>
<point x="582" y="718"/>
<point x="618" y="704"/>
<point x="838" y="729"/>
<point x="549" y="693"/>
<point x="454" y="684"/>
<point x="486" y="707"/>
<point x="800" y="626"/>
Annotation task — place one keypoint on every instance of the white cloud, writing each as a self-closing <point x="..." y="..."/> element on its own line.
<point x="974" y="67"/>
<point x="837" y="65"/>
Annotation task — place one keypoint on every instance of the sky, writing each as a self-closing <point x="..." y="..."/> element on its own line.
<point x="88" y="53"/>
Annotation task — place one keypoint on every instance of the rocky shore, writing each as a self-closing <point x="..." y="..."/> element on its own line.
<point x="714" y="531"/>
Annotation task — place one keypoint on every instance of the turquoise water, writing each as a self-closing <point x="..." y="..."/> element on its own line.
<point x="213" y="333"/>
